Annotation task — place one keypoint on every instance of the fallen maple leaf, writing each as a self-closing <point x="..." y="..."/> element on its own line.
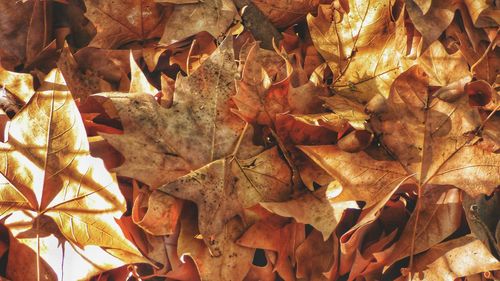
<point x="60" y="181"/>
<point x="198" y="129"/>
<point x="433" y="145"/>
<point x="224" y="187"/>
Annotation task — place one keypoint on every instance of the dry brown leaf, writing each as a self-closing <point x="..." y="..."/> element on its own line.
<point x="286" y="13"/>
<point x="234" y="261"/>
<point x="111" y="65"/>
<point x="25" y="31"/>
<point x="432" y="142"/>
<point x="156" y="213"/>
<point x="82" y="85"/>
<point x="436" y="62"/>
<point x="361" y="177"/>
<point x="314" y="257"/>
<point x="440" y="216"/>
<point x="213" y="16"/>
<point x="276" y="234"/>
<point x="483" y="13"/>
<point x="436" y="141"/>
<point x="424" y="5"/>
<point x="259" y="99"/>
<point x="123" y="21"/>
<point x="62" y="182"/>
<point x="314" y="208"/>
<point x="434" y="22"/>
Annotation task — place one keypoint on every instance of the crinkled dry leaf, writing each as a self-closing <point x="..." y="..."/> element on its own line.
<point x="440" y="216"/>
<point x="276" y="234"/>
<point x="157" y="213"/>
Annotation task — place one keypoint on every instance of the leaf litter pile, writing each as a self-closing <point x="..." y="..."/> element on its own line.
<point x="249" y="140"/>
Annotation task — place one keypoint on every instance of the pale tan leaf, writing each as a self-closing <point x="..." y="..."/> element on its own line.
<point x="459" y="257"/>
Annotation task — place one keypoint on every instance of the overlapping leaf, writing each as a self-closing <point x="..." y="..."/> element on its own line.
<point x="51" y="175"/>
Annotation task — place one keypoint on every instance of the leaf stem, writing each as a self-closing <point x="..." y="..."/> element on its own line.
<point x="414" y="234"/>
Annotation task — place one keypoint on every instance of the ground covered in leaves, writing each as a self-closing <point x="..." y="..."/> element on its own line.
<point x="249" y="140"/>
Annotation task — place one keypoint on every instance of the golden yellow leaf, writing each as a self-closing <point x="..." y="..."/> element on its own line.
<point x="364" y="48"/>
<point x="234" y="261"/>
<point x="18" y="84"/>
<point x="361" y="177"/>
<point x="47" y="163"/>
